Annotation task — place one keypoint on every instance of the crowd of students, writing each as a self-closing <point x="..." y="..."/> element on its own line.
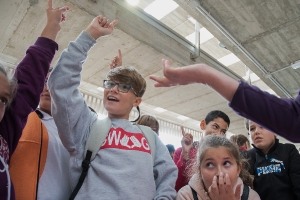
<point x="44" y="152"/>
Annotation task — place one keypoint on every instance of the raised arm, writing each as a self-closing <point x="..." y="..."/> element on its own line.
<point x="117" y="61"/>
<point x="70" y="112"/>
<point x="279" y="115"/>
<point x="198" y="73"/>
<point x="30" y="74"/>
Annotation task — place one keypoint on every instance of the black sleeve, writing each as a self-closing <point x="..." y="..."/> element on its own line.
<point x="294" y="168"/>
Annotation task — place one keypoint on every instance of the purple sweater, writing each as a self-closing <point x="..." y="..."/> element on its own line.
<point x="279" y="115"/>
<point x="30" y="73"/>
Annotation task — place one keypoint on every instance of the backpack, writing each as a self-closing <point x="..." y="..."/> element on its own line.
<point x="98" y="133"/>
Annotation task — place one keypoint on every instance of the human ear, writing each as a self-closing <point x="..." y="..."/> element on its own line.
<point x="202" y="125"/>
<point x="137" y="101"/>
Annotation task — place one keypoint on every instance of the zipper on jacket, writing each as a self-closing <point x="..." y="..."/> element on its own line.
<point x="266" y="156"/>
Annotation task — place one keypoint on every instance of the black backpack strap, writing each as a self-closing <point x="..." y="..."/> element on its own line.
<point x="194" y="194"/>
<point x="245" y="194"/>
<point x="85" y="167"/>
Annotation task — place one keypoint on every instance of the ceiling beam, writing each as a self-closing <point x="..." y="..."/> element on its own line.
<point x="152" y="32"/>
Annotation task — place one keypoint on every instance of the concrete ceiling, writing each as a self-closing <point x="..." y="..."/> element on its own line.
<point x="265" y="29"/>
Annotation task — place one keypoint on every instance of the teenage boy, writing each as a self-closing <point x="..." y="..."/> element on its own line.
<point x="123" y="167"/>
<point x="245" y="99"/>
<point x="216" y="122"/>
<point x="275" y="166"/>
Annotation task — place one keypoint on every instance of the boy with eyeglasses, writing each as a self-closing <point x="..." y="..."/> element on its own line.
<point x="123" y="167"/>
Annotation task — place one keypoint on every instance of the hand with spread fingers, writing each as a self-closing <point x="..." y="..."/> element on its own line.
<point x="117" y="61"/>
<point x="221" y="188"/>
<point x="100" y="26"/>
<point x="54" y="17"/>
<point x="177" y="76"/>
<point x="186" y="143"/>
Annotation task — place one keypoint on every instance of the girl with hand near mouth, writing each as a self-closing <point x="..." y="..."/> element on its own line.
<point x="219" y="173"/>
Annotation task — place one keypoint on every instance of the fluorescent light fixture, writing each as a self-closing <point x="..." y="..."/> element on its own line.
<point x="101" y="116"/>
<point x="159" y="109"/>
<point x="296" y="65"/>
<point x="160" y="8"/>
<point x="100" y="88"/>
<point x="229" y="59"/>
<point x="133" y="2"/>
<point x="181" y="117"/>
<point x="205" y="35"/>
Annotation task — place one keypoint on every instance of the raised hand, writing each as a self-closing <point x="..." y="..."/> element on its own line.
<point x="117" y="61"/>
<point x="223" y="190"/>
<point x="178" y="76"/>
<point x="186" y="143"/>
<point x="54" y="17"/>
<point x="100" y="26"/>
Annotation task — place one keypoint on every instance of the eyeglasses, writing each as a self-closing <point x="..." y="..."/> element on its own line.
<point x="124" y="88"/>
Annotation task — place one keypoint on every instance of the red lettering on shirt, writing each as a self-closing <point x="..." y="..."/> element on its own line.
<point x="118" y="138"/>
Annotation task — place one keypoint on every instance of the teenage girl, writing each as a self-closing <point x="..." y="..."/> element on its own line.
<point x="218" y="173"/>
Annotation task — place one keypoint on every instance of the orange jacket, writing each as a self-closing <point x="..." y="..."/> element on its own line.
<point x="29" y="156"/>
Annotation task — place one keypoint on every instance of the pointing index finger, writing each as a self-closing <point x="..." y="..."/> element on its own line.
<point x="49" y="4"/>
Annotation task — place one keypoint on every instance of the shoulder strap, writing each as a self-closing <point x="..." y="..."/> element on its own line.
<point x="148" y="132"/>
<point x="194" y="193"/>
<point x="245" y="194"/>
<point x="98" y="133"/>
<point x="85" y="167"/>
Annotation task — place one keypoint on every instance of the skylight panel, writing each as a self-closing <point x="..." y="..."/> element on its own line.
<point x="229" y="59"/>
<point x="205" y="35"/>
<point x="160" y="8"/>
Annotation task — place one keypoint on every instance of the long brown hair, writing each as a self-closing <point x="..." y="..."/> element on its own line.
<point x="148" y="120"/>
<point x="216" y="141"/>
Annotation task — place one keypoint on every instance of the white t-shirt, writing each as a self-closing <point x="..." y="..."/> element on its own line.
<point x="54" y="182"/>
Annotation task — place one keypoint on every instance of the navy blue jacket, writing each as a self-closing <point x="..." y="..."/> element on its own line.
<point x="277" y="174"/>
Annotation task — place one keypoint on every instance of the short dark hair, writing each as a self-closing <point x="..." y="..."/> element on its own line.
<point x="216" y="114"/>
<point x="241" y="140"/>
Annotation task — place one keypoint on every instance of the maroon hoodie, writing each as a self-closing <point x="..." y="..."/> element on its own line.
<point x="279" y="115"/>
<point x="30" y="73"/>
